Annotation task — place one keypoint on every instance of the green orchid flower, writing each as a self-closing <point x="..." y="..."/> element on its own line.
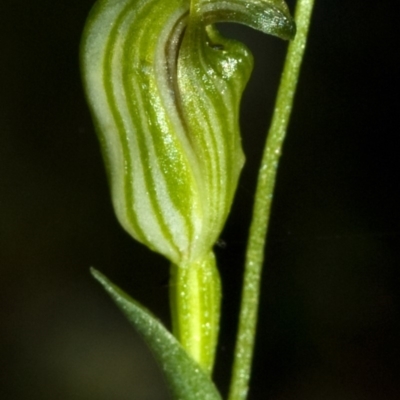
<point x="164" y="89"/>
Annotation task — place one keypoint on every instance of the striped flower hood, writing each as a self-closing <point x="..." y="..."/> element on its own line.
<point x="164" y="90"/>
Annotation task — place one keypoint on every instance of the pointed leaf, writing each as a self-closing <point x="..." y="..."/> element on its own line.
<point x="185" y="378"/>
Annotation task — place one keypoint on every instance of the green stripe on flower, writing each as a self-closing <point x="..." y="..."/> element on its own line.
<point x="126" y="79"/>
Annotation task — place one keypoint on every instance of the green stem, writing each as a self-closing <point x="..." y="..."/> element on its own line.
<point x="195" y="296"/>
<point x="262" y="205"/>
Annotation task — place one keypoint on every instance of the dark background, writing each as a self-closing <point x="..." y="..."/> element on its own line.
<point x="329" y="326"/>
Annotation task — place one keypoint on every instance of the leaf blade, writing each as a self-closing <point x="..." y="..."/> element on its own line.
<point x="186" y="380"/>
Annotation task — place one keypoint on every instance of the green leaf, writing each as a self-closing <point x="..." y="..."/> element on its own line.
<point x="186" y="379"/>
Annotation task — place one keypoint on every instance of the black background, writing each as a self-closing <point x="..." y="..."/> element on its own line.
<point x="329" y="326"/>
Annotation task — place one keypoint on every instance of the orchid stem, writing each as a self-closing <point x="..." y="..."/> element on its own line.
<point x="262" y="205"/>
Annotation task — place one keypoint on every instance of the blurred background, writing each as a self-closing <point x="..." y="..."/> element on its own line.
<point x="329" y="319"/>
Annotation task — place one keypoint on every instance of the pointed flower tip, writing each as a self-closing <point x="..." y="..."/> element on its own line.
<point x="268" y="16"/>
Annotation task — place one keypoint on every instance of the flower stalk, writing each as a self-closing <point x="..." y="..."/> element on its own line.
<point x="195" y="296"/>
<point x="262" y="206"/>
